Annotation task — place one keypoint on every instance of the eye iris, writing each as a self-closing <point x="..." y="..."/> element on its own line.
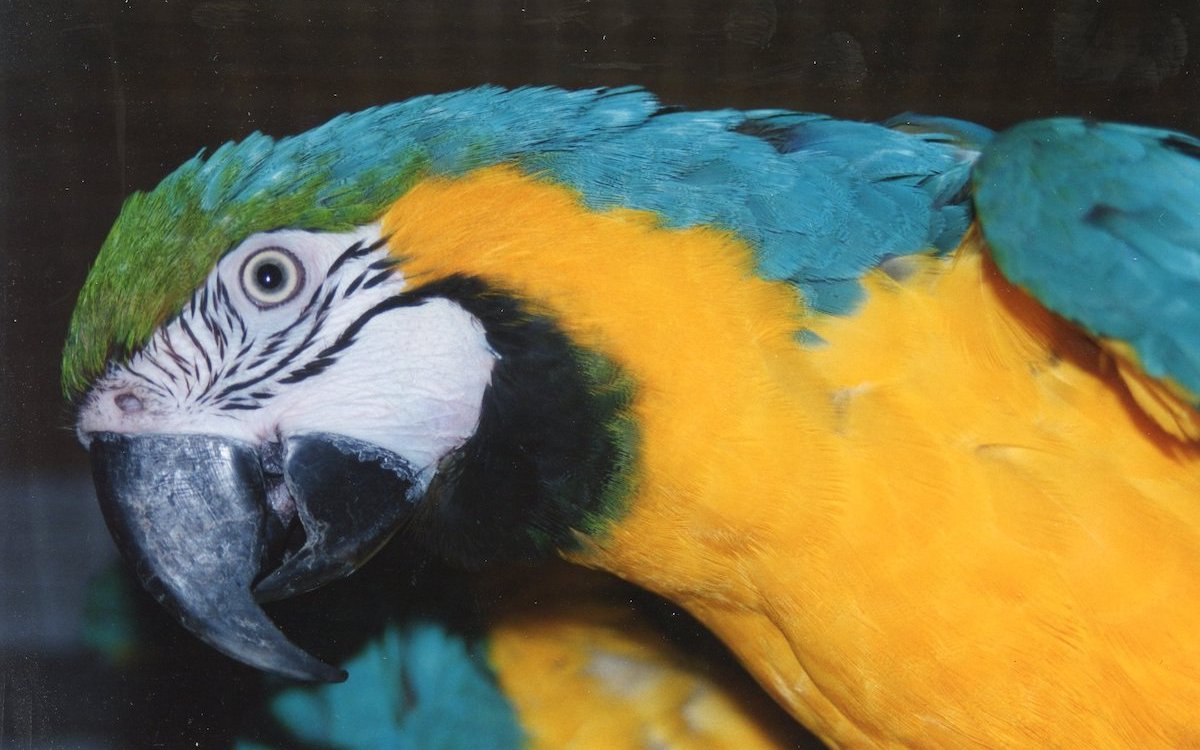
<point x="269" y="276"/>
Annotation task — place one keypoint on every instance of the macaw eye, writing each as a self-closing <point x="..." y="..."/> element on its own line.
<point x="272" y="276"/>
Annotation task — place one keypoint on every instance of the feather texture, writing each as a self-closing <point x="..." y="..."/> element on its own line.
<point x="1099" y="222"/>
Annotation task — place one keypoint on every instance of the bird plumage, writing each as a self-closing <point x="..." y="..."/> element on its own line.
<point x="935" y="486"/>
<point x="950" y="470"/>
<point x="1098" y="222"/>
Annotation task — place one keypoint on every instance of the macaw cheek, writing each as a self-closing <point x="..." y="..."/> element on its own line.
<point x="350" y="498"/>
<point x="188" y="512"/>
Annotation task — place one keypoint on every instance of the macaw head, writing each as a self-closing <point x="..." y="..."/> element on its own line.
<point x="267" y="398"/>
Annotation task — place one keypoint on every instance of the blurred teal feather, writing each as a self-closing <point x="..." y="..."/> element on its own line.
<point x="416" y="687"/>
<point x="110" y="625"/>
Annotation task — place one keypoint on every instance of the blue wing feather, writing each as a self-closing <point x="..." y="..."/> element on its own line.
<point x="1101" y="223"/>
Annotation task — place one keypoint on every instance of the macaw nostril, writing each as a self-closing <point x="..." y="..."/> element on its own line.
<point x="128" y="403"/>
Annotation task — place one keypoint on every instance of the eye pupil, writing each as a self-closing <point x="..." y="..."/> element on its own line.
<point x="269" y="276"/>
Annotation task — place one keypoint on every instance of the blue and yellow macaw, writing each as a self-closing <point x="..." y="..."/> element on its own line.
<point x="906" y="414"/>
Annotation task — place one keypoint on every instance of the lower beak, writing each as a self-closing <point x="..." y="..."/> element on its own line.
<point x="190" y="515"/>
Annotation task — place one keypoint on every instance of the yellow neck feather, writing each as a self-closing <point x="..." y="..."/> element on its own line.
<point x="711" y="348"/>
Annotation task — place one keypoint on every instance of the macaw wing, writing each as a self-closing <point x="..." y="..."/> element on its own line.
<point x="1101" y="224"/>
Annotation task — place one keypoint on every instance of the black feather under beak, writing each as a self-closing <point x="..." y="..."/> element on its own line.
<point x="190" y="514"/>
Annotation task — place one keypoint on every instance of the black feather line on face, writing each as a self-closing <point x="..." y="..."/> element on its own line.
<point x="357" y="250"/>
<point x="552" y="456"/>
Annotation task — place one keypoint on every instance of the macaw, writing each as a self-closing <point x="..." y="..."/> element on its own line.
<point x="904" y="413"/>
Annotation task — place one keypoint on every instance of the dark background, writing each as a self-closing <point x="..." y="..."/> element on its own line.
<point x="101" y="98"/>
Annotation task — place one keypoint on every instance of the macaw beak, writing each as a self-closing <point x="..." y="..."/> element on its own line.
<point x="190" y="514"/>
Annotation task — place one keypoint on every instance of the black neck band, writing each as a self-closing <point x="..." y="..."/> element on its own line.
<point x="552" y="455"/>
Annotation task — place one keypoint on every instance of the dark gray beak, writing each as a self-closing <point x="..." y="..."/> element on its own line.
<point x="190" y="514"/>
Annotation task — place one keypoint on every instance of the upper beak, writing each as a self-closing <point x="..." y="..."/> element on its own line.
<point x="190" y="514"/>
